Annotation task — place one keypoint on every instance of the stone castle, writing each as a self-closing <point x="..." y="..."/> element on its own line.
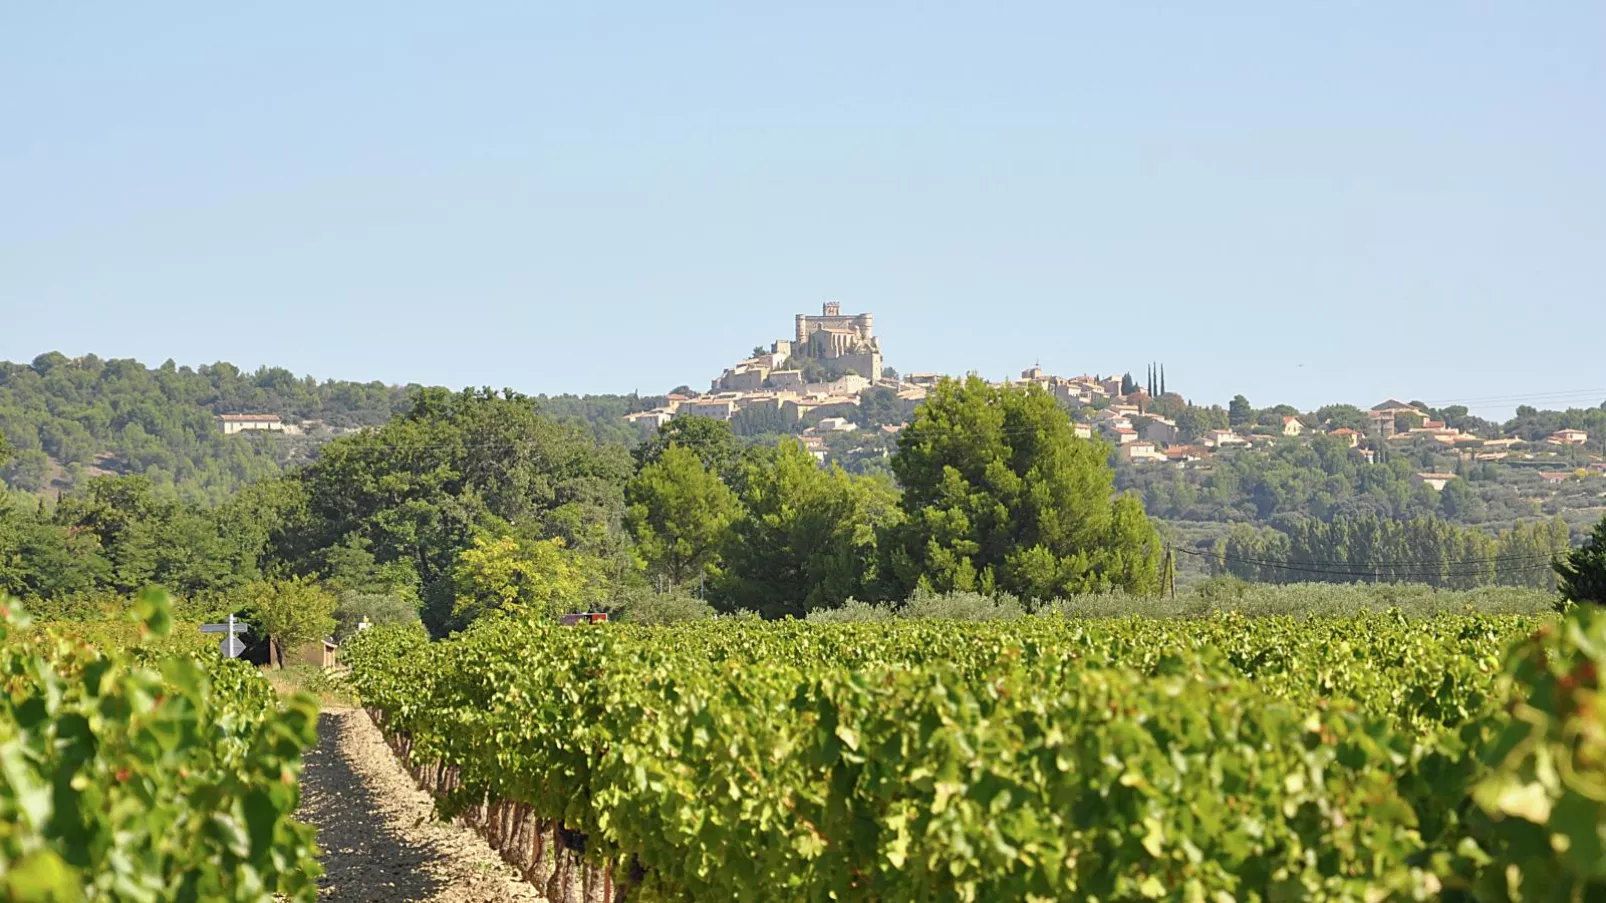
<point x="840" y="342"/>
<point x="844" y="346"/>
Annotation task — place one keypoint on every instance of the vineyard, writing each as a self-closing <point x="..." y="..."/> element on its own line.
<point x="141" y="773"/>
<point x="1041" y="759"/>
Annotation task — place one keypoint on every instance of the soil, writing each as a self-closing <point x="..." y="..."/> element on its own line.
<point x="379" y="836"/>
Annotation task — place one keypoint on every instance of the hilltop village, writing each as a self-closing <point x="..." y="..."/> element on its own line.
<point x="818" y="383"/>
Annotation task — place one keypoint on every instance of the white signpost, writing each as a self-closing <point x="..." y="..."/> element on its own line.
<point x="230" y="645"/>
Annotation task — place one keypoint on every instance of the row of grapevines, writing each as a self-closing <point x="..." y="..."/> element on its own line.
<point x="133" y="775"/>
<point x="1363" y="758"/>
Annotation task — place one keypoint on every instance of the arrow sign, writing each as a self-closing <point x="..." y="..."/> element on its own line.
<point x="231" y="647"/>
<point x="232" y="627"/>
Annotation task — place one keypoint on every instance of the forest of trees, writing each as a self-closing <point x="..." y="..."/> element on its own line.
<point x="67" y="420"/>
<point x="448" y="505"/>
<point x="1372" y="549"/>
<point x="472" y="502"/>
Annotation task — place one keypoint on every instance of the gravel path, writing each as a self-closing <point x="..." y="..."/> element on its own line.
<point x="378" y="832"/>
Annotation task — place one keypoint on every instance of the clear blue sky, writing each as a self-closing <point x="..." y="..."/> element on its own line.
<point x="1301" y="202"/>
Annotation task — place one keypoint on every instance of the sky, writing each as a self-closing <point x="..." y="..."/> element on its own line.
<point x="1303" y="203"/>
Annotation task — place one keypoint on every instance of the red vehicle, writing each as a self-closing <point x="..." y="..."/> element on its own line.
<point x="584" y="617"/>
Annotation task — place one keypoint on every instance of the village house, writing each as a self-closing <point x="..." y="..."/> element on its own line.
<point x="241" y="423"/>
<point x="718" y="407"/>
<point x="1122" y="435"/>
<point x="1082" y="430"/>
<point x="836" y="425"/>
<point x="1554" y="476"/>
<point x="1384" y="415"/>
<point x="1568" y="437"/>
<point x="1160" y="429"/>
<point x="1346" y="435"/>
<point x="1141" y="452"/>
<point x="1223" y="439"/>
<point x="1436" y="480"/>
<point x="815" y="446"/>
<point x="1183" y="455"/>
<point x="655" y="418"/>
<point x="1292" y="426"/>
<point x="798" y="409"/>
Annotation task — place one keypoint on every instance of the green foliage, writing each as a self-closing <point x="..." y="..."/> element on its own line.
<point x="603" y="416"/>
<point x="761" y="420"/>
<point x="1431" y="551"/>
<point x="68" y="418"/>
<point x="1194" y="422"/>
<point x="806" y="538"/>
<point x="375" y="608"/>
<point x="293" y="612"/>
<point x="414" y="493"/>
<point x="1583" y="570"/>
<point x="1541" y="795"/>
<point x="1239" y="412"/>
<point x="678" y="513"/>
<point x="1034" y="758"/>
<point x="535" y="579"/>
<point x="1322" y="478"/>
<point x="711" y="440"/>
<point x="117" y="534"/>
<point x="880" y="406"/>
<point x="290" y="613"/>
<point x="999" y="494"/>
<point x="130" y="775"/>
<point x="643" y="605"/>
<point x="1343" y="416"/>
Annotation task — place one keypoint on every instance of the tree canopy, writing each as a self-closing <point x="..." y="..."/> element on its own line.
<point x="806" y="538"/>
<point x="999" y="494"/>
<point x="1582" y="571"/>
<point x="678" y="513"/>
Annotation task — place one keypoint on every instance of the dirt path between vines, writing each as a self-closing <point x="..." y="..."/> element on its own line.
<point x="379" y="834"/>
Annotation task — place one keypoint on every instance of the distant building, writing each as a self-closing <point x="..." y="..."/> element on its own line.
<point x="836" y="425"/>
<point x="717" y="408"/>
<point x="1223" y="438"/>
<point x="1142" y="452"/>
<point x="786" y="379"/>
<point x="840" y="342"/>
<point x="1437" y="480"/>
<point x="1292" y="426"/>
<point x="1568" y="437"/>
<point x="1183" y="455"/>
<point x="1554" y="477"/>
<point x="242" y="423"/>
<point x="1347" y="435"/>
<point x="1383" y="416"/>
<point x="655" y="418"/>
<point x="1160" y="429"/>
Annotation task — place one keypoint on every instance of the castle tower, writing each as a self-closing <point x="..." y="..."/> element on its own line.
<point x="831" y="309"/>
